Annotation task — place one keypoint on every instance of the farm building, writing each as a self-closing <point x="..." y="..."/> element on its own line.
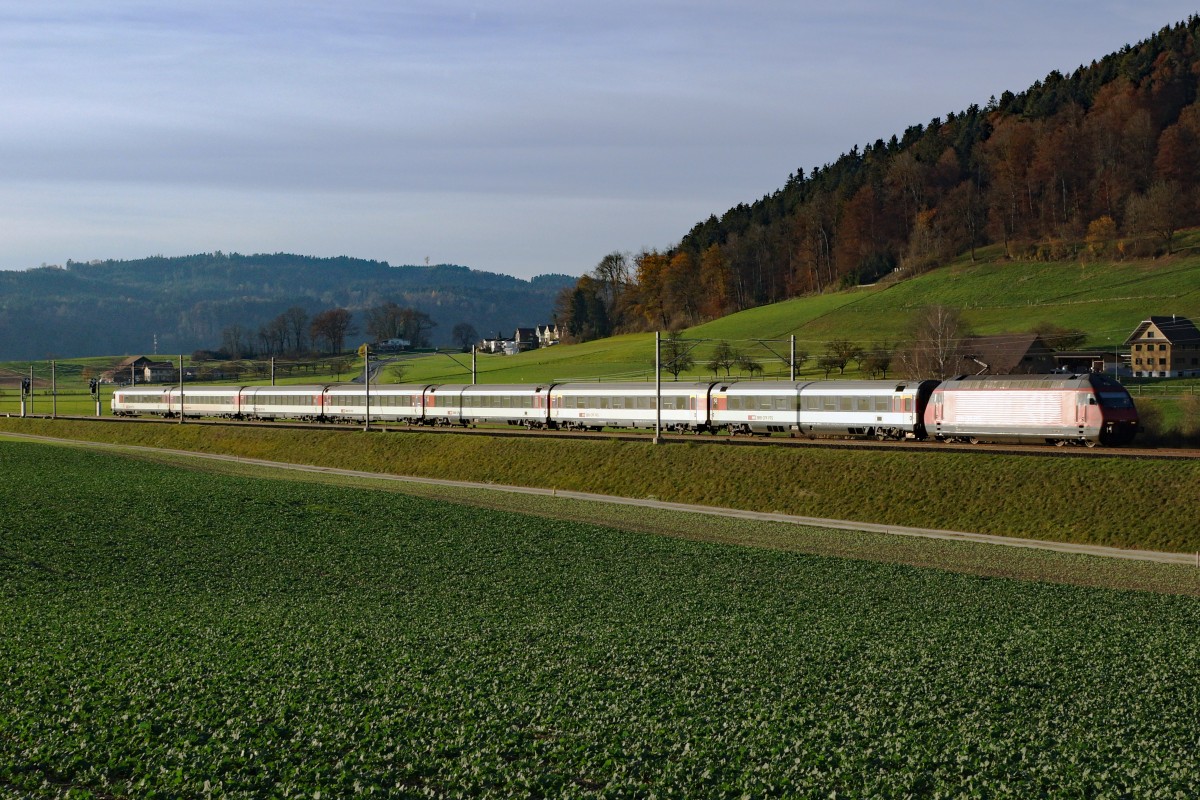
<point x="1165" y="347"/>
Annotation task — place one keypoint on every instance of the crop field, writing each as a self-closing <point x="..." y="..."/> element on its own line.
<point x="171" y="632"/>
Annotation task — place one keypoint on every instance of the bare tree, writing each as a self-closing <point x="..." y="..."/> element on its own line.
<point x="675" y="354"/>
<point x="237" y="342"/>
<point x="828" y="363"/>
<point x="747" y="363"/>
<point x="877" y="359"/>
<point x="843" y="351"/>
<point x="1159" y="212"/>
<point x="723" y="358"/>
<point x="935" y="347"/>
<point x="295" y="322"/>
<point x="332" y="327"/>
<point x="464" y="335"/>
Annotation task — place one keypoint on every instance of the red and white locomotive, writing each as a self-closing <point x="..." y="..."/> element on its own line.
<point x="1091" y="408"/>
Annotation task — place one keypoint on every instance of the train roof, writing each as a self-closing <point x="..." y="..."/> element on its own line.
<point x="610" y="387"/>
<point x="1057" y="381"/>
<point x="487" y="388"/>
<point x="852" y="386"/>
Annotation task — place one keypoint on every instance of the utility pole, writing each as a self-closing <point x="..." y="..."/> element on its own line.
<point x="53" y="393"/>
<point x="365" y="352"/>
<point x="31" y="390"/>
<point x="657" y="387"/>
<point x="272" y="370"/>
<point x="181" y="388"/>
<point x="473" y="373"/>
<point x="792" y="360"/>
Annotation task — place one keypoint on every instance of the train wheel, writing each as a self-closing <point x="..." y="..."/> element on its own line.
<point x="1089" y="442"/>
<point x="973" y="439"/>
<point x="1060" y="442"/>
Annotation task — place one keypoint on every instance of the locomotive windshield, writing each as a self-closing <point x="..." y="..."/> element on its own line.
<point x="1116" y="400"/>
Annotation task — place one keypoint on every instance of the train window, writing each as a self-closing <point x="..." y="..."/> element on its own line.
<point x="812" y="403"/>
<point x="864" y="404"/>
<point x="1116" y="400"/>
<point x="764" y="404"/>
<point x="845" y="403"/>
<point x="908" y="404"/>
<point x="829" y="404"/>
<point x="605" y="402"/>
<point x="882" y="403"/>
<point x="781" y="404"/>
<point x="618" y="402"/>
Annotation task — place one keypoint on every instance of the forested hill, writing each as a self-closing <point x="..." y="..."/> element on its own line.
<point x="1101" y="163"/>
<point x="116" y="307"/>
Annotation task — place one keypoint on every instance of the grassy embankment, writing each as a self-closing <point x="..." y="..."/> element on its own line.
<point x="175" y="633"/>
<point x="1107" y="501"/>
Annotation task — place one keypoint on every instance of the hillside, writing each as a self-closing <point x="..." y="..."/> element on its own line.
<point x="1106" y="300"/>
<point x="111" y="307"/>
<point x="1101" y="163"/>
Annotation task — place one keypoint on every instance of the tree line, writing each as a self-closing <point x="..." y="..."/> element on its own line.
<point x="295" y="332"/>
<point x="1103" y="163"/>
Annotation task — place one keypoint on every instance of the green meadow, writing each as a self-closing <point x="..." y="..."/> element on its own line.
<point x="1101" y="500"/>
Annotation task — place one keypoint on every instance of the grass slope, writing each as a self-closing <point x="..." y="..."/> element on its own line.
<point x="1107" y="300"/>
<point x="241" y="638"/>
<point x="1106" y="501"/>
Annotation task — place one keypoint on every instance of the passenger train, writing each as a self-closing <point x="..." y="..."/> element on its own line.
<point x="1085" y="409"/>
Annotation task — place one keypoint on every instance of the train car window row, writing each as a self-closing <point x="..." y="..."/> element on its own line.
<point x="644" y="403"/>
<point x="879" y="403"/>
<point x="496" y="401"/>
<point x="285" y="400"/>
<point x="762" y="403"/>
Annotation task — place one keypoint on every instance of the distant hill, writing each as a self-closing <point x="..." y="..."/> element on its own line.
<point x="111" y="307"/>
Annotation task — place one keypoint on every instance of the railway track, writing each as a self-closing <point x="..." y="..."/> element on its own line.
<point x="723" y="439"/>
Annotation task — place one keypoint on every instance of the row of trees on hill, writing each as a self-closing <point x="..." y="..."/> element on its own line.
<point x="294" y="332"/>
<point x="935" y="345"/>
<point x="1103" y="163"/>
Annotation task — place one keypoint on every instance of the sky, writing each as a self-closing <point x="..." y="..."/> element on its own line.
<point x="516" y="136"/>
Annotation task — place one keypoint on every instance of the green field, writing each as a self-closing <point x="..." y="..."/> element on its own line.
<point x="1107" y="501"/>
<point x="177" y="633"/>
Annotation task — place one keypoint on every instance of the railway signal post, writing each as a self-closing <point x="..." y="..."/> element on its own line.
<point x="94" y="388"/>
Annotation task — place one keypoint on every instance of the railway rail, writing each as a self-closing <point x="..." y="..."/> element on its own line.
<point x="716" y="440"/>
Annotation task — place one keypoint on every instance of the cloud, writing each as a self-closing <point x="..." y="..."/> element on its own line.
<point x="546" y="105"/>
